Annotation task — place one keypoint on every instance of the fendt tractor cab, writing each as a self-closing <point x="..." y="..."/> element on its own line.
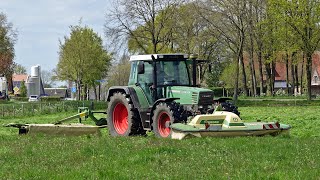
<point x="158" y="94"/>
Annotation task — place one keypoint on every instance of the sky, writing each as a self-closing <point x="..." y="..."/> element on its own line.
<point x="41" y="23"/>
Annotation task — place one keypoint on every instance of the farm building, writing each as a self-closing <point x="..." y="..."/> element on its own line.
<point x="57" y="92"/>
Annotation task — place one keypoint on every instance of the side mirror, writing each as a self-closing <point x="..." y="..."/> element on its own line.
<point x="141" y="68"/>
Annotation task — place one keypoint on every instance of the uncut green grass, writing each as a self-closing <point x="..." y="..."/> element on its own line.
<point x="89" y="157"/>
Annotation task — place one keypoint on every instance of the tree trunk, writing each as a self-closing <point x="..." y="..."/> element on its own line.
<point x="95" y="92"/>
<point x="260" y="71"/>
<point x="292" y="78"/>
<point x="236" y="85"/>
<point x="273" y="76"/>
<point x="301" y="77"/>
<point x="296" y="77"/>
<point x="292" y="73"/>
<point x="251" y="51"/>
<point x="252" y="71"/>
<point x="87" y="93"/>
<point x="239" y="60"/>
<point x="287" y="73"/>
<point x="244" y="77"/>
<point x="308" y="70"/>
<point x="269" y="85"/>
<point x="10" y="84"/>
<point x="78" y="84"/>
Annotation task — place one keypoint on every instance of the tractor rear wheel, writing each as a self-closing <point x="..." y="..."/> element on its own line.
<point x="120" y="115"/>
<point x="161" y="120"/>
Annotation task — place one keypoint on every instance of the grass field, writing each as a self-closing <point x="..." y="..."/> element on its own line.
<point x="105" y="157"/>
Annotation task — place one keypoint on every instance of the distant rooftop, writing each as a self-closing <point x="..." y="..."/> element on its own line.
<point x="19" y="77"/>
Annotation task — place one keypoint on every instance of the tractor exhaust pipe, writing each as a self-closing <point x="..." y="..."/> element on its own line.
<point x="194" y="69"/>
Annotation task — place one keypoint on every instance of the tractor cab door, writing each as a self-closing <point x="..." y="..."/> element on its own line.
<point x="144" y="79"/>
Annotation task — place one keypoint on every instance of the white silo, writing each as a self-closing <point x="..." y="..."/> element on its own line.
<point x="33" y="83"/>
<point x="35" y="71"/>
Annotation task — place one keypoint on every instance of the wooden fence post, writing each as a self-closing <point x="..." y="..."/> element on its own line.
<point x="13" y="111"/>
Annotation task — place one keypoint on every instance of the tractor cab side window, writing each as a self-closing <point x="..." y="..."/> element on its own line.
<point x="145" y="80"/>
<point x="146" y="77"/>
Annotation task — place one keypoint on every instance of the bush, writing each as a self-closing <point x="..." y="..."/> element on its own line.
<point x="218" y="91"/>
<point x="23" y="90"/>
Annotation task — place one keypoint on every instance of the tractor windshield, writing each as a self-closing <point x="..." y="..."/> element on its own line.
<point x="172" y="73"/>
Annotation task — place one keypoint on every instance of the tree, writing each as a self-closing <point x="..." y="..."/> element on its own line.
<point x="23" y="90"/>
<point x="48" y="78"/>
<point x="119" y="75"/>
<point x="144" y="22"/>
<point x="19" y="69"/>
<point x="227" y="22"/>
<point x="8" y="38"/>
<point x="82" y="58"/>
<point x="303" y="19"/>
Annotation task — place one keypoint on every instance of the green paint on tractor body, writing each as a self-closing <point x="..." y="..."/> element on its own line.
<point x="143" y="98"/>
<point x="186" y="95"/>
<point x="189" y="95"/>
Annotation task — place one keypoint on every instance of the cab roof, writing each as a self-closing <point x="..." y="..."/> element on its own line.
<point x="147" y="57"/>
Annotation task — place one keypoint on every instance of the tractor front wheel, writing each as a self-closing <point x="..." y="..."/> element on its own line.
<point x="161" y="120"/>
<point x="120" y="116"/>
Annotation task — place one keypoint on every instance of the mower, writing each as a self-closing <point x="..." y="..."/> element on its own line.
<point x="58" y="128"/>
<point x="225" y="124"/>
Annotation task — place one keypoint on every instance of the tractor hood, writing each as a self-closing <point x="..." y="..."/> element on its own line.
<point x="191" y="95"/>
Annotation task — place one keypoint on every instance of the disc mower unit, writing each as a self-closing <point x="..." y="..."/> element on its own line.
<point x="52" y="129"/>
<point x="225" y="124"/>
<point x="72" y="129"/>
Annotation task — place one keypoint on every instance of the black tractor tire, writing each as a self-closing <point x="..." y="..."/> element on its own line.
<point x="120" y="115"/>
<point x="161" y="120"/>
<point x="228" y="106"/>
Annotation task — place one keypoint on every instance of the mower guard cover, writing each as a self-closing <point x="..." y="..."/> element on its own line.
<point x="225" y="124"/>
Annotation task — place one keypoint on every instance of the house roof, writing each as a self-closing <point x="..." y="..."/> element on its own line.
<point x="19" y="77"/>
<point x="280" y="73"/>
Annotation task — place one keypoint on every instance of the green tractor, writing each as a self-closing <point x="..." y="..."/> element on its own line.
<point x="158" y="94"/>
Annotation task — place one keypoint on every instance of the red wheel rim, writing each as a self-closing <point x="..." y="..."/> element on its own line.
<point x="120" y="118"/>
<point x="163" y="120"/>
